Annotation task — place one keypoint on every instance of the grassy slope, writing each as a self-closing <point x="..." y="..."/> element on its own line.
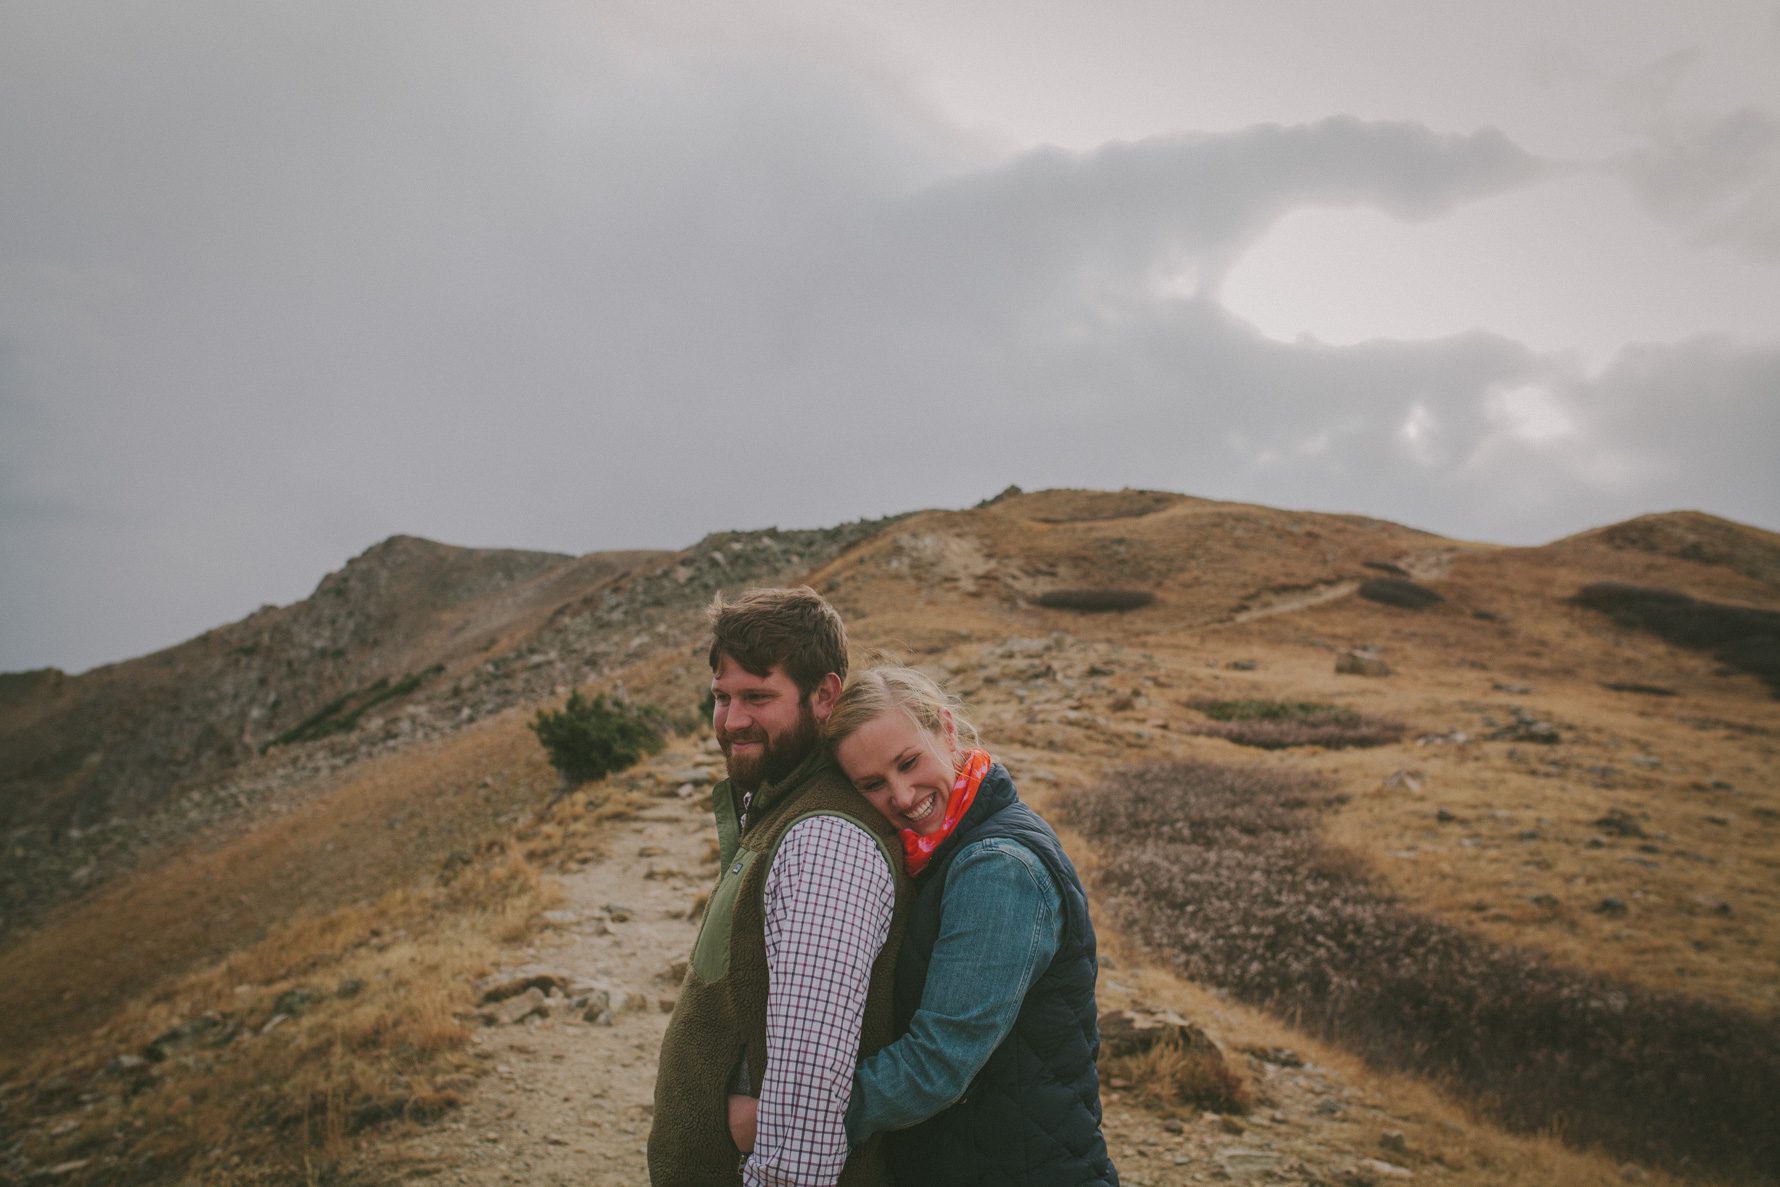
<point x="944" y="588"/>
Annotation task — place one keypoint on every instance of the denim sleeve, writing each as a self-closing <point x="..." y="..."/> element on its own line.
<point x="1001" y="921"/>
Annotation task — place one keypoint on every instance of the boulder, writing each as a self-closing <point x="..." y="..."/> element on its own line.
<point x="1361" y="661"/>
<point x="498" y="987"/>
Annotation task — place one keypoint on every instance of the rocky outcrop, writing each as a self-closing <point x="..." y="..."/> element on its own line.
<point x="408" y="640"/>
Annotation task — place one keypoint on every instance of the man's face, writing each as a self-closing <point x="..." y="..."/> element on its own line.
<point x="764" y="727"/>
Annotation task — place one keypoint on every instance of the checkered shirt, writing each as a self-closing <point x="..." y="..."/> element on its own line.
<point x="829" y="899"/>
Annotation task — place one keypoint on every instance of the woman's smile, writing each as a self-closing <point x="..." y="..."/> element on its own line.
<point x="922" y="810"/>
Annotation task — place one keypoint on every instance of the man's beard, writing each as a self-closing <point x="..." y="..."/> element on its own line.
<point x="777" y="758"/>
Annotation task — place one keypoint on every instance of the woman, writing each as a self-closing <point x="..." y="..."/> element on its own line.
<point x="992" y="1080"/>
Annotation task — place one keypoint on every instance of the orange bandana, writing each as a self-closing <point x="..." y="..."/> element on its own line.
<point x="917" y="850"/>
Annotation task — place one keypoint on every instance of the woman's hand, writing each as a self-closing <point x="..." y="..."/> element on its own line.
<point x="742" y="1116"/>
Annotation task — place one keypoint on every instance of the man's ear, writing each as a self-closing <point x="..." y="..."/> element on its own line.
<point x="824" y="695"/>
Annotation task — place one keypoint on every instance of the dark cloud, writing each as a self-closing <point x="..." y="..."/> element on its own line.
<point x="277" y="281"/>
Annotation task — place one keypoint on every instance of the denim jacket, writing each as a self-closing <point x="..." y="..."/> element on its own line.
<point x="1001" y="923"/>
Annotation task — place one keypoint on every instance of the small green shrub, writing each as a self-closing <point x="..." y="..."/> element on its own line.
<point x="1263" y="710"/>
<point x="1741" y="637"/>
<point x="586" y="739"/>
<point x="1278" y="725"/>
<point x="1095" y="601"/>
<point x="342" y="714"/>
<point x="1398" y="591"/>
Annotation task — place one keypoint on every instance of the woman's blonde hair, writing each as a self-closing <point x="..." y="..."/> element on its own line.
<point x="878" y="690"/>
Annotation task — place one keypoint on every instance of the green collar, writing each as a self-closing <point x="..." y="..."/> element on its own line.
<point x="771" y="795"/>
<point x="726" y="802"/>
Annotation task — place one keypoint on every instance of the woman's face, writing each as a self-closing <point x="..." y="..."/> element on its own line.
<point x="903" y="769"/>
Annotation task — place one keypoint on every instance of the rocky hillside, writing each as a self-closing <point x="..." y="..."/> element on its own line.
<point x="408" y="640"/>
<point x="1585" y="783"/>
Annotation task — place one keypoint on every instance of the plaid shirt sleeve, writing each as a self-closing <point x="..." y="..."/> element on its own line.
<point x="829" y="898"/>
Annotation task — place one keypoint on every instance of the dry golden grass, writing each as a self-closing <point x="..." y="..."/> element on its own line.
<point x="1172" y="1074"/>
<point x="379" y="900"/>
<point x="1231" y="582"/>
<point x="250" y="1098"/>
<point x="376" y="826"/>
<point x="1465" y="1150"/>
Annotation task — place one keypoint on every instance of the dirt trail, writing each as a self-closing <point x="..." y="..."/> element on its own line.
<point x="567" y="1101"/>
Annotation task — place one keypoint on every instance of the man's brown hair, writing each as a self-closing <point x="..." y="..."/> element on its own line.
<point x="795" y="629"/>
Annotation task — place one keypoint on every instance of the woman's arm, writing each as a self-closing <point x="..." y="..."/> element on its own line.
<point x="1000" y="925"/>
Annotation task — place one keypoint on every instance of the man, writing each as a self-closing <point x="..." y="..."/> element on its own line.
<point x="791" y="977"/>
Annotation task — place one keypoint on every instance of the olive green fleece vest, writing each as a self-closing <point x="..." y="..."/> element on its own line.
<point x="721" y="1011"/>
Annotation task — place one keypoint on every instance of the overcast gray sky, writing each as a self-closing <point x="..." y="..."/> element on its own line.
<point x="280" y="280"/>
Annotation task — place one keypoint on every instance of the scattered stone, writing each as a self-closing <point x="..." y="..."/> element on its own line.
<point x="1404" y="780"/>
<point x="1394" y="1141"/>
<point x="1242" y="665"/>
<point x="273" y="1023"/>
<point x="1526" y="728"/>
<point x="497" y="987"/>
<point x="1446" y="816"/>
<point x="1518" y="690"/>
<point x="209" y="1030"/>
<point x="351" y="987"/>
<point x="1620" y="823"/>
<point x="1611" y="905"/>
<point x="1380" y="1169"/>
<point x="1277" y="1056"/>
<point x="294" y="1001"/>
<point x="674" y="970"/>
<point x="514" y="1010"/>
<point x="1132" y="1032"/>
<point x="1546" y="902"/>
<point x="1232" y="1126"/>
<point x="1361" y="661"/>
<point x="1716" y="906"/>
<point x="1248" y="1164"/>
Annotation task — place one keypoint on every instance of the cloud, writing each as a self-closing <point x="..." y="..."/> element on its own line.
<point x="278" y="282"/>
<point x="1716" y="177"/>
<point x="1196" y="202"/>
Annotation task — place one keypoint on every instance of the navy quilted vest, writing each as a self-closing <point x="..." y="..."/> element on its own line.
<point x="1032" y="1115"/>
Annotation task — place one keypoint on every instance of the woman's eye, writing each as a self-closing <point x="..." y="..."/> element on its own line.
<point x="907" y="764"/>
